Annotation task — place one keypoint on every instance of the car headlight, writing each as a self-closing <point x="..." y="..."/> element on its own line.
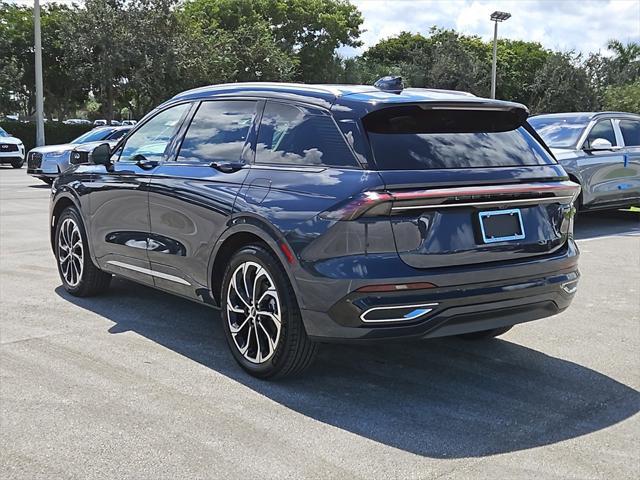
<point x="59" y="153"/>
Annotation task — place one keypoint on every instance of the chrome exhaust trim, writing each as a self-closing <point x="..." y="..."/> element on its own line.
<point x="415" y="311"/>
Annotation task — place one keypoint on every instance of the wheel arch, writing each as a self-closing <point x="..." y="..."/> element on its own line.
<point x="246" y="231"/>
<point x="60" y="203"/>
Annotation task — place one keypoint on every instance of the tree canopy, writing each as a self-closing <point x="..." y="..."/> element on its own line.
<point x="103" y="57"/>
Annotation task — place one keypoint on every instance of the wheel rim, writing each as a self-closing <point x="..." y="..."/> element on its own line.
<point x="70" y="252"/>
<point x="253" y="312"/>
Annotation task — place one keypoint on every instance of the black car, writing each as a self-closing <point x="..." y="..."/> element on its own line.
<point x="324" y="213"/>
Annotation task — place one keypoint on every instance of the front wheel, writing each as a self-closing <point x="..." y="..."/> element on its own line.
<point x="80" y="277"/>
<point x="261" y="317"/>
<point x="17" y="163"/>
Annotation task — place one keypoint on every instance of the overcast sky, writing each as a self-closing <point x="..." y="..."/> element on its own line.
<point x="583" y="25"/>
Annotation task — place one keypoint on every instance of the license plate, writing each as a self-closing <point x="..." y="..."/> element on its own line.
<point x="501" y="226"/>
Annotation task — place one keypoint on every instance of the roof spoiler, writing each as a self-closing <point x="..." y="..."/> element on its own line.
<point x="446" y="117"/>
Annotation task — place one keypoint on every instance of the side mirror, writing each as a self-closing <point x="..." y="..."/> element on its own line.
<point x="600" y="144"/>
<point x="91" y="154"/>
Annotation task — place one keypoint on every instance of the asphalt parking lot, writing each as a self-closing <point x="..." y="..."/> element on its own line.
<point x="139" y="384"/>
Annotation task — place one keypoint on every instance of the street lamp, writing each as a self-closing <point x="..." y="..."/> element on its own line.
<point x="38" y="64"/>
<point x="496" y="17"/>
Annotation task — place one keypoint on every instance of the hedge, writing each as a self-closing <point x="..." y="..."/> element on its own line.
<point x="54" y="132"/>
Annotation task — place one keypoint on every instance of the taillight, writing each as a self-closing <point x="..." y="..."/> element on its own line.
<point x="371" y="204"/>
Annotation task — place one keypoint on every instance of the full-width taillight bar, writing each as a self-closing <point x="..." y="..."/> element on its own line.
<point x="385" y="202"/>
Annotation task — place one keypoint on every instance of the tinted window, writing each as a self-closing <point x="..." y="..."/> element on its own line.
<point x="218" y="131"/>
<point x="292" y="136"/>
<point x="602" y="129"/>
<point x="410" y="138"/>
<point x="560" y="132"/>
<point x="3" y="133"/>
<point x="630" y="132"/>
<point x="151" y="139"/>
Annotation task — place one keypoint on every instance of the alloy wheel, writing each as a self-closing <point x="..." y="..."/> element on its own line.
<point x="253" y="312"/>
<point x="70" y="252"/>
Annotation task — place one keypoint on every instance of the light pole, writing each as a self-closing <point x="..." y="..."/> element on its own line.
<point x="496" y="17"/>
<point x="38" y="62"/>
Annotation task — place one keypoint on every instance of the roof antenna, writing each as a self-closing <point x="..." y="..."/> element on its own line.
<point x="391" y="84"/>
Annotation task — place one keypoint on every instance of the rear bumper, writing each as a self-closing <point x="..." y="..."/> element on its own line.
<point x="450" y="310"/>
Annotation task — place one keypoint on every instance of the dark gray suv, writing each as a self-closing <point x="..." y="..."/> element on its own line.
<point x="316" y="213"/>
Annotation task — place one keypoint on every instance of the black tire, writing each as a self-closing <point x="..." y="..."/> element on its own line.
<point x="17" y="163"/>
<point x="294" y="351"/>
<point x="90" y="280"/>
<point x="486" y="334"/>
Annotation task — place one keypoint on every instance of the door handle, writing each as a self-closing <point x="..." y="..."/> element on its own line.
<point x="145" y="164"/>
<point x="227" y="167"/>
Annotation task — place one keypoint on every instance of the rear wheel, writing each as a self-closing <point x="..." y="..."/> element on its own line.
<point x="80" y="277"/>
<point x="261" y="317"/>
<point x="17" y="163"/>
<point x="485" y="334"/>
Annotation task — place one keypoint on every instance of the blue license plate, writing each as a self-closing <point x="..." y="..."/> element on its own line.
<point x="501" y="226"/>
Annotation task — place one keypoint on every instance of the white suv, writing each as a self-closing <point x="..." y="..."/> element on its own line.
<point x="11" y="150"/>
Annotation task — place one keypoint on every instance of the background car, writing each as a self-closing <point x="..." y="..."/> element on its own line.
<point x="47" y="162"/>
<point x="100" y="123"/>
<point x="11" y="150"/>
<point x="129" y="122"/>
<point x="76" y="121"/>
<point x="311" y="213"/>
<point x="600" y="151"/>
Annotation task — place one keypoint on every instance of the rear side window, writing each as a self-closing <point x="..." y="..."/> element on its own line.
<point x="218" y="132"/>
<point x="290" y="135"/>
<point x="415" y="138"/>
<point x="602" y="129"/>
<point x="630" y="132"/>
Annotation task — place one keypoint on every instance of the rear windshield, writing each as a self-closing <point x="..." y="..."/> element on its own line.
<point x="93" y="135"/>
<point x="414" y="138"/>
<point x="560" y="132"/>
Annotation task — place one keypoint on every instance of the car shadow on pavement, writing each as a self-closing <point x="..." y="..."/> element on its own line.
<point x="442" y="398"/>
<point x="606" y="223"/>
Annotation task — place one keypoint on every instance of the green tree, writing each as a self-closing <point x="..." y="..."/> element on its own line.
<point x="64" y="91"/>
<point x="309" y="31"/>
<point x="519" y="64"/>
<point x="16" y="59"/>
<point x="625" y="64"/>
<point x="102" y="49"/>
<point x="624" y="98"/>
<point x="396" y="50"/>
<point x="562" y="85"/>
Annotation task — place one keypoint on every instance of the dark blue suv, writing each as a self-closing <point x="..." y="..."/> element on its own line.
<point x="315" y="213"/>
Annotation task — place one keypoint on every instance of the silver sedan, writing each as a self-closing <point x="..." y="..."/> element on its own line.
<point x="600" y="151"/>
